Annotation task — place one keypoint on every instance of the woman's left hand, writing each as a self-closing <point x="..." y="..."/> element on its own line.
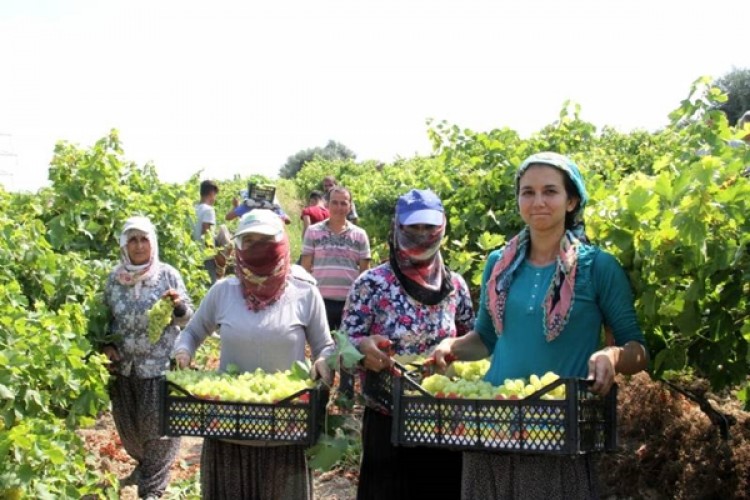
<point x="174" y="296"/>
<point x="177" y="304"/>
<point x="602" y="370"/>
<point x="321" y="370"/>
<point x="376" y="359"/>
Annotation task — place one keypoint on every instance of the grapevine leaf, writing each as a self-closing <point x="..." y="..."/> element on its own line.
<point x="300" y="370"/>
<point x="327" y="451"/>
<point x="744" y="396"/>
<point x="345" y="355"/>
<point x="6" y="393"/>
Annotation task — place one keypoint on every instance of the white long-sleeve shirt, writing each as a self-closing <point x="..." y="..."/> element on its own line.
<point x="272" y="338"/>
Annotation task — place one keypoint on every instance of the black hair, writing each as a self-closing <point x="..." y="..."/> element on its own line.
<point x="572" y="191"/>
<point x="315" y="195"/>
<point x="208" y="187"/>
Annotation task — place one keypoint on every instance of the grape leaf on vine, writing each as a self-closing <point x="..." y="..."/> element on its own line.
<point x="345" y="355"/>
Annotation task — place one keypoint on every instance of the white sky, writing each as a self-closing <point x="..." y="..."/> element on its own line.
<point x="237" y="87"/>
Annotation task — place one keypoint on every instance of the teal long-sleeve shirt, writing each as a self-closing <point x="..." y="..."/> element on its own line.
<point x="602" y="296"/>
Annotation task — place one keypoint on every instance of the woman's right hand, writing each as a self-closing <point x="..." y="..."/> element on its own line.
<point x="112" y="355"/>
<point x="376" y="359"/>
<point x="182" y="360"/>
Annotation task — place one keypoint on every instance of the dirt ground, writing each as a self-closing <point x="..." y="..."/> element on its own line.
<point x="106" y="455"/>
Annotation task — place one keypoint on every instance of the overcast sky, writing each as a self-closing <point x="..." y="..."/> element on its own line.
<point x="237" y="87"/>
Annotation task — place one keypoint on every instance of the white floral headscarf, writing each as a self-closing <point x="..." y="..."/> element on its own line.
<point x="127" y="273"/>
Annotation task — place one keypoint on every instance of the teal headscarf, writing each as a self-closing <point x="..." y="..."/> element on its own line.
<point x="560" y="295"/>
<point x="570" y="169"/>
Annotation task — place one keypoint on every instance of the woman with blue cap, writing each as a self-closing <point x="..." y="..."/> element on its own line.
<point x="545" y="297"/>
<point x="410" y="304"/>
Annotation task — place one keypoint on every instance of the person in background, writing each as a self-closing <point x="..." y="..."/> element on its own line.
<point x="239" y="209"/>
<point x="336" y="251"/>
<point x="267" y="313"/>
<point x="545" y="297"/>
<point x="314" y="212"/>
<point x="328" y="183"/>
<point x="742" y="122"/>
<point x="136" y="362"/>
<point x="205" y="220"/>
<point x="410" y="303"/>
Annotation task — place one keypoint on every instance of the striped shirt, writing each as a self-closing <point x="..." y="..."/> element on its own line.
<point x="336" y="257"/>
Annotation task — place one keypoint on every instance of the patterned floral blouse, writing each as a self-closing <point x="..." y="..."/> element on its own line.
<point x="129" y="319"/>
<point x="378" y="305"/>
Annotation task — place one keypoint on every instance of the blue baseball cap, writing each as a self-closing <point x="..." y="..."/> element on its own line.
<point x="420" y="206"/>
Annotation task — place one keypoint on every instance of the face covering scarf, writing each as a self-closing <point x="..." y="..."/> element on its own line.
<point x="418" y="264"/>
<point x="262" y="269"/>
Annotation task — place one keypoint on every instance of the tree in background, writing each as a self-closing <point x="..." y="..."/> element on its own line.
<point x="736" y="84"/>
<point x="332" y="151"/>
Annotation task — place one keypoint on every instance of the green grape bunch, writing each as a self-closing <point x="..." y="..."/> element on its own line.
<point x="159" y="316"/>
<point x="248" y="387"/>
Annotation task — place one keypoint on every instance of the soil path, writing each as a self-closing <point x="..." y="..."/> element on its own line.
<point x="106" y="455"/>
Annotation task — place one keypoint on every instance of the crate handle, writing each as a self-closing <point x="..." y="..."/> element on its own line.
<point x="403" y="373"/>
<point x="547" y="388"/>
<point x="297" y="394"/>
<point x="179" y="388"/>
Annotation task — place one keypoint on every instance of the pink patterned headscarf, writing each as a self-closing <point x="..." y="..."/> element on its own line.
<point x="560" y="296"/>
<point x="263" y="269"/>
<point x="418" y="256"/>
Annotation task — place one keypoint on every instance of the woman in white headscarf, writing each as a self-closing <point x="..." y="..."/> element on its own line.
<point x="136" y="362"/>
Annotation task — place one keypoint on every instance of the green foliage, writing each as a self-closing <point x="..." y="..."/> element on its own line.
<point x="49" y="384"/>
<point x="736" y="84"/>
<point x="59" y="246"/>
<point x="331" y="151"/>
<point x="670" y="205"/>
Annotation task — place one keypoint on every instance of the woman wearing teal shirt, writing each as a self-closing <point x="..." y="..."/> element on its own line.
<point x="545" y="297"/>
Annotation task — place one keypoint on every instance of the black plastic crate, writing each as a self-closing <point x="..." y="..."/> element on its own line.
<point x="581" y="423"/>
<point x="378" y="386"/>
<point x="297" y="419"/>
<point x="261" y="192"/>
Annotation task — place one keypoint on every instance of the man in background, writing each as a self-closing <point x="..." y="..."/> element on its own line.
<point x="328" y="183"/>
<point x="205" y="220"/>
<point x="336" y="252"/>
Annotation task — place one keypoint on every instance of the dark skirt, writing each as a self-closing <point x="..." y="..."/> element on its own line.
<point x="237" y="471"/>
<point x="135" y="410"/>
<point x="532" y="477"/>
<point x="398" y="472"/>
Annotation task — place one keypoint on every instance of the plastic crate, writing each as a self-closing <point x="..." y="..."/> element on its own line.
<point x="378" y="386"/>
<point x="581" y="423"/>
<point x="261" y="192"/>
<point x="297" y="419"/>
